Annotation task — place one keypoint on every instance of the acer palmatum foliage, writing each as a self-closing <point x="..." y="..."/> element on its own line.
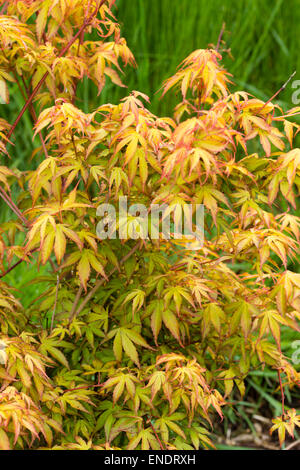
<point x="139" y="344"/>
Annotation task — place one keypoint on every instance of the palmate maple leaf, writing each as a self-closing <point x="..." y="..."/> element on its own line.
<point x="285" y="423"/>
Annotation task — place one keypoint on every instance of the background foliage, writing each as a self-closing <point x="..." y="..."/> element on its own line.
<point x="262" y="37"/>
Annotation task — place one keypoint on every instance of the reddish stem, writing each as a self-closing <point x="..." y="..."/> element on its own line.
<point x="156" y="435"/>
<point x="220" y="36"/>
<point x="62" y="53"/>
<point x="282" y="392"/>
<point x="277" y="92"/>
<point x="16" y="264"/>
<point x="83" y="387"/>
<point x="6" y="198"/>
<point x="34" y="117"/>
<point x="4" y="8"/>
<point x="28" y="103"/>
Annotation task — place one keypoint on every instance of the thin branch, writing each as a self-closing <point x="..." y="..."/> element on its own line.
<point x="34" y="117"/>
<point x="74" y="146"/>
<point x="6" y="198"/>
<point x="293" y="444"/>
<point x="75" y="303"/>
<point x="62" y="53"/>
<point x="282" y="392"/>
<point x="55" y="303"/>
<point x="102" y="281"/>
<point x="80" y="42"/>
<point x="52" y="265"/>
<point x="16" y="264"/>
<point x="4" y="8"/>
<point x="277" y="92"/>
<point x="28" y="103"/>
<point x="25" y="96"/>
<point x="220" y="36"/>
<point x="83" y="387"/>
<point x="156" y="435"/>
<point x="11" y="268"/>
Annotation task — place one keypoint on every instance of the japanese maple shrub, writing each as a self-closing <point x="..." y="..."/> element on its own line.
<point x="138" y="344"/>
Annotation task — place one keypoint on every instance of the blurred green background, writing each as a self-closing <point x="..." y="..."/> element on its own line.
<point x="263" y="36"/>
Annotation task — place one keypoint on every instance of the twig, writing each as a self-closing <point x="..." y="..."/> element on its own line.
<point x="6" y="198"/>
<point x="277" y="92"/>
<point x="293" y="444"/>
<point x="74" y="306"/>
<point x="34" y="116"/>
<point x="55" y="303"/>
<point x="62" y="53"/>
<point x="80" y="41"/>
<point x="83" y="387"/>
<point x="282" y="392"/>
<point x="4" y="8"/>
<point x="16" y="264"/>
<point x="52" y="265"/>
<point x="156" y="435"/>
<point x="11" y="268"/>
<point x="31" y="108"/>
<point x="28" y="103"/>
<point x="4" y="194"/>
<point x="220" y="36"/>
